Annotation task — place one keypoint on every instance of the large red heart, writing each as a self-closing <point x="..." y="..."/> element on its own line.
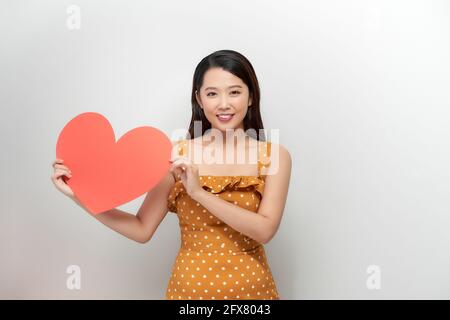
<point x="106" y="173"/>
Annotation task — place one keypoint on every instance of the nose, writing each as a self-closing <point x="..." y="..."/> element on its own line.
<point x="223" y="106"/>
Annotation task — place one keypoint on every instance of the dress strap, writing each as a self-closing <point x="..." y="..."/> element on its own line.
<point x="182" y="147"/>
<point x="263" y="158"/>
<point x="179" y="149"/>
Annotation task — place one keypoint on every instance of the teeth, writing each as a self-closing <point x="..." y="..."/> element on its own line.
<point x="224" y="116"/>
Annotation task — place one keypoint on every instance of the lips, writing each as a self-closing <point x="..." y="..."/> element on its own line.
<point x="224" y="117"/>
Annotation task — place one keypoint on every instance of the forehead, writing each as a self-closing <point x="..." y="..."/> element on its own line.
<point x="220" y="78"/>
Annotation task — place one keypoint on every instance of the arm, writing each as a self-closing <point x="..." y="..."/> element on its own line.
<point x="139" y="227"/>
<point x="262" y="226"/>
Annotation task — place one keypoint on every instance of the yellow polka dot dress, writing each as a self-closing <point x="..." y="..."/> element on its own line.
<point x="215" y="261"/>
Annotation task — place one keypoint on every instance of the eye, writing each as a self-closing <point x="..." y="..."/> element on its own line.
<point x="209" y="93"/>
<point x="236" y="92"/>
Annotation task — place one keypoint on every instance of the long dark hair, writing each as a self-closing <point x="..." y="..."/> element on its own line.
<point x="237" y="64"/>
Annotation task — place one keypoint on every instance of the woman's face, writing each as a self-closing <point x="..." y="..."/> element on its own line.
<point x="224" y="99"/>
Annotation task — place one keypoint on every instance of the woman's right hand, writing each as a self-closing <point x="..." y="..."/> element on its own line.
<point x="57" y="178"/>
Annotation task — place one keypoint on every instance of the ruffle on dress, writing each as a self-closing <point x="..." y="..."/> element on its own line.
<point x="218" y="184"/>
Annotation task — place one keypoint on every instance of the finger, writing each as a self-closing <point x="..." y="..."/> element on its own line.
<point x="174" y="164"/>
<point x="181" y="165"/>
<point x="174" y="168"/>
<point x="181" y="160"/>
<point x="190" y="171"/>
<point x="175" y="158"/>
<point x="57" y="161"/>
<point x="179" y="169"/>
<point x="183" y="177"/>
<point x="60" y="166"/>
<point x="177" y="172"/>
<point x="61" y="172"/>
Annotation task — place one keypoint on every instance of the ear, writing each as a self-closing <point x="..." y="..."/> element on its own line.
<point x="197" y="97"/>
<point x="250" y="101"/>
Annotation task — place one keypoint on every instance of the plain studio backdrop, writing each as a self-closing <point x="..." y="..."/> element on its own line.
<point x="359" y="91"/>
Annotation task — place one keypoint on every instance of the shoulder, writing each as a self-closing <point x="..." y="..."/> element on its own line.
<point x="279" y="149"/>
<point x="279" y="160"/>
<point x="283" y="151"/>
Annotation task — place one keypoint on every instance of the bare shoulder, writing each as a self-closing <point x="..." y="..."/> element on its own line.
<point x="280" y="158"/>
<point x="283" y="153"/>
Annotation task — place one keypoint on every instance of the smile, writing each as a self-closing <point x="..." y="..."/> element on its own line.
<point x="225" y="117"/>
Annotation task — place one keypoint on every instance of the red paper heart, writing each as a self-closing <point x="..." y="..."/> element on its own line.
<point x="106" y="173"/>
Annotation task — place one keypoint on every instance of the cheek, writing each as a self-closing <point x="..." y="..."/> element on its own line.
<point x="240" y="105"/>
<point x="240" y="102"/>
<point x="209" y="112"/>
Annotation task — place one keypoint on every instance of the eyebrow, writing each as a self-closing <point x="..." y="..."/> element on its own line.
<point x="238" y="86"/>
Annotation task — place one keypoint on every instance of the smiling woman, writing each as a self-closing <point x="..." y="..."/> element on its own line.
<point x="226" y="219"/>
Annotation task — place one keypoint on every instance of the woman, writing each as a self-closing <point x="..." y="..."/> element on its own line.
<point x="226" y="212"/>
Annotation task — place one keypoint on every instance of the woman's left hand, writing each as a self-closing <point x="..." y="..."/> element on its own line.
<point x="188" y="173"/>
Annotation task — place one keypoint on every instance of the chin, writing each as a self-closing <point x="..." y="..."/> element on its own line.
<point x="229" y="126"/>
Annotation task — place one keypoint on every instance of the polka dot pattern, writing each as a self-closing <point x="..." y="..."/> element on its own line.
<point x="215" y="261"/>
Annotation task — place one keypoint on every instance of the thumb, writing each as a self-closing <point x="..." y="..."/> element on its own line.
<point x="190" y="171"/>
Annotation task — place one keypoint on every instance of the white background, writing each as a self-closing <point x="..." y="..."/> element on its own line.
<point x="359" y="91"/>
